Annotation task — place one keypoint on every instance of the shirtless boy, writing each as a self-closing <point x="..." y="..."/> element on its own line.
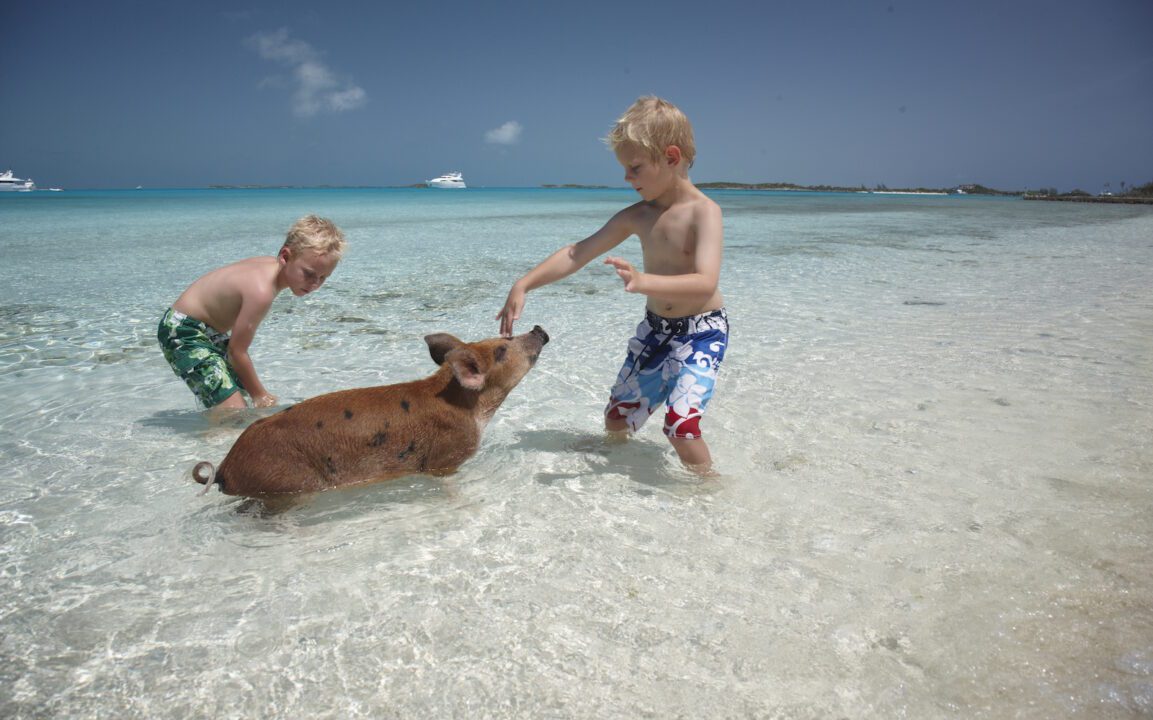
<point x="194" y="332"/>
<point x="678" y="348"/>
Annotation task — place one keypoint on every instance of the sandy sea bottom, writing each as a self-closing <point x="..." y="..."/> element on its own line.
<point x="932" y="432"/>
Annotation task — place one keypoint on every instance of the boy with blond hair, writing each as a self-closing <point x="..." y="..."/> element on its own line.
<point x="194" y="332"/>
<point x="678" y="348"/>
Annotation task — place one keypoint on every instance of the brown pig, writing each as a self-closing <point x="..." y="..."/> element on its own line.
<point x="368" y="434"/>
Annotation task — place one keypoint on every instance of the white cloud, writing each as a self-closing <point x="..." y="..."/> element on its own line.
<point x="349" y="99"/>
<point x="278" y="46"/>
<point x="507" y="134"/>
<point x="317" y="88"/>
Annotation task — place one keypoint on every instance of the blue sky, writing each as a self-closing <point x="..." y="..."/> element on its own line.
<point x="1011" y="94"/>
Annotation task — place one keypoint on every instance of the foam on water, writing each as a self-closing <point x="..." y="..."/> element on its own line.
<point x="932" y="429"/>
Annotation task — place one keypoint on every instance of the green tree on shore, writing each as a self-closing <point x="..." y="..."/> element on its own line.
<point x="1145" y="190"/>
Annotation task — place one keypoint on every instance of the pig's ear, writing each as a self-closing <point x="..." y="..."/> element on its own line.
<point x="439" y="344"/>
<point x="467" y="367"/>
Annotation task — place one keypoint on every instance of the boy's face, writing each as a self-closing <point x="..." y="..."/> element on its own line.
<point x="648" y="177"/>
<point x="305" y="270"/>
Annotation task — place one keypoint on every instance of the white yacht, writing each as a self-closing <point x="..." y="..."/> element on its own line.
<point x="448" y="180"/>
<point x="8" y="182"/>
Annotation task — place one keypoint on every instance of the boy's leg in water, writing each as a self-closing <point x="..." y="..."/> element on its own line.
<point x="694" y="453"/>
<point x="616" y="430"/>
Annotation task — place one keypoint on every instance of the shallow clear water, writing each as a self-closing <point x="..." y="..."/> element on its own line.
<point x="933" y="432"/>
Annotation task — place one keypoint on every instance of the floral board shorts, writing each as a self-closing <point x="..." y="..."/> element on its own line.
<point x="671" y="362"/>
<point x="198" y="356"/>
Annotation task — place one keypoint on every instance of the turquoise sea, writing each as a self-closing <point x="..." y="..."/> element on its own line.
<point x="933" y="432"/>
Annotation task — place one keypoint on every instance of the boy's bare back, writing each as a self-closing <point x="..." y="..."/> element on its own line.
<point x="218" y="297"/>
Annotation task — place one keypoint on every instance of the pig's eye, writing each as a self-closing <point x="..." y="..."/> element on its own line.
<point x="499" y="353"/>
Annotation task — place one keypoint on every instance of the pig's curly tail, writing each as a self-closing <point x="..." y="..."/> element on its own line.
<point x="204" y="473"/>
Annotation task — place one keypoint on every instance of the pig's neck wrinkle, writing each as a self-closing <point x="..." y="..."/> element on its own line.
<point x="483" y="402"/>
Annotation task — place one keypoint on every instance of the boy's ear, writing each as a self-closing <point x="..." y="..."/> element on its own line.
<point x="673" y="155"/>
<point x="284" y="256"/>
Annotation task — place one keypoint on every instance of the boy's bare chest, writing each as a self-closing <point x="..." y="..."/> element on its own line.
<point x="667" y="239"/>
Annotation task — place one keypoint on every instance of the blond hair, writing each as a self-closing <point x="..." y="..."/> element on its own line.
<point x="317" y="234"/>
<point x="653" y="124"/>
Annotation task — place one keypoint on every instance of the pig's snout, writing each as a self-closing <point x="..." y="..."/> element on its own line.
<point x="540" y="333"/>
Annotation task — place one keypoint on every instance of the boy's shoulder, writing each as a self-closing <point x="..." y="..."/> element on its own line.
<point x="705" y="200"/>
<point x="251" y="275"/>
<point x="248" y="266"/>
<point x="710" y="208"/>
<point x="698" y="206"/>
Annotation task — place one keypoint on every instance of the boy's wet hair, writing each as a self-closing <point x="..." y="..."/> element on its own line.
<point x="653" y="124"/>
<point x="317" y="234"/>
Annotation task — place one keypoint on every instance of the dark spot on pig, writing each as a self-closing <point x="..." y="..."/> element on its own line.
<point x="319" y="424"/>
<point x="378" y="439"/>
<point x="404" y="405"/>
<point x="499" y="353"/>
<point x="424" y="463"/>
<point x="347" y="414"/>
<point x="406" y="451"/>
<point x="329" y="466"/>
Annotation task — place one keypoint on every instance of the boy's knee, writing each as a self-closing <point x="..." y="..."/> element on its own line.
<point x="694" y="453"/>
<point x="233" y="401"/>
<point x="618" y="414"/>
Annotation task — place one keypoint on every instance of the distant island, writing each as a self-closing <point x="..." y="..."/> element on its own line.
<point x="1115" y="199"/>
<point x="1142" y="195"/>
<point x="968" y="189"/>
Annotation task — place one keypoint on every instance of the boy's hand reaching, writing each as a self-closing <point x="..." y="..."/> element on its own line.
<point x="263" y="401"/>
<point x="510" y="313"/>
<point x="626" y="272"/>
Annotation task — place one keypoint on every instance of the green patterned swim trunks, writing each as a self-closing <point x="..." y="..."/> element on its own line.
<point x="198" y="356"/>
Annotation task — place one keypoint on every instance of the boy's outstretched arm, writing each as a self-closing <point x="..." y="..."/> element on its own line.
<point x="252" y="312"/>
<point x="561" y="264"/>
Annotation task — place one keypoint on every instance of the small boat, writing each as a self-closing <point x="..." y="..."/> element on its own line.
<point x="10" y="183"/>
<point x="452" y="180"/>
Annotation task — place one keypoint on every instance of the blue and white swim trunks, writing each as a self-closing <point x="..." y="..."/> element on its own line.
<point x="671" y="362"/>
